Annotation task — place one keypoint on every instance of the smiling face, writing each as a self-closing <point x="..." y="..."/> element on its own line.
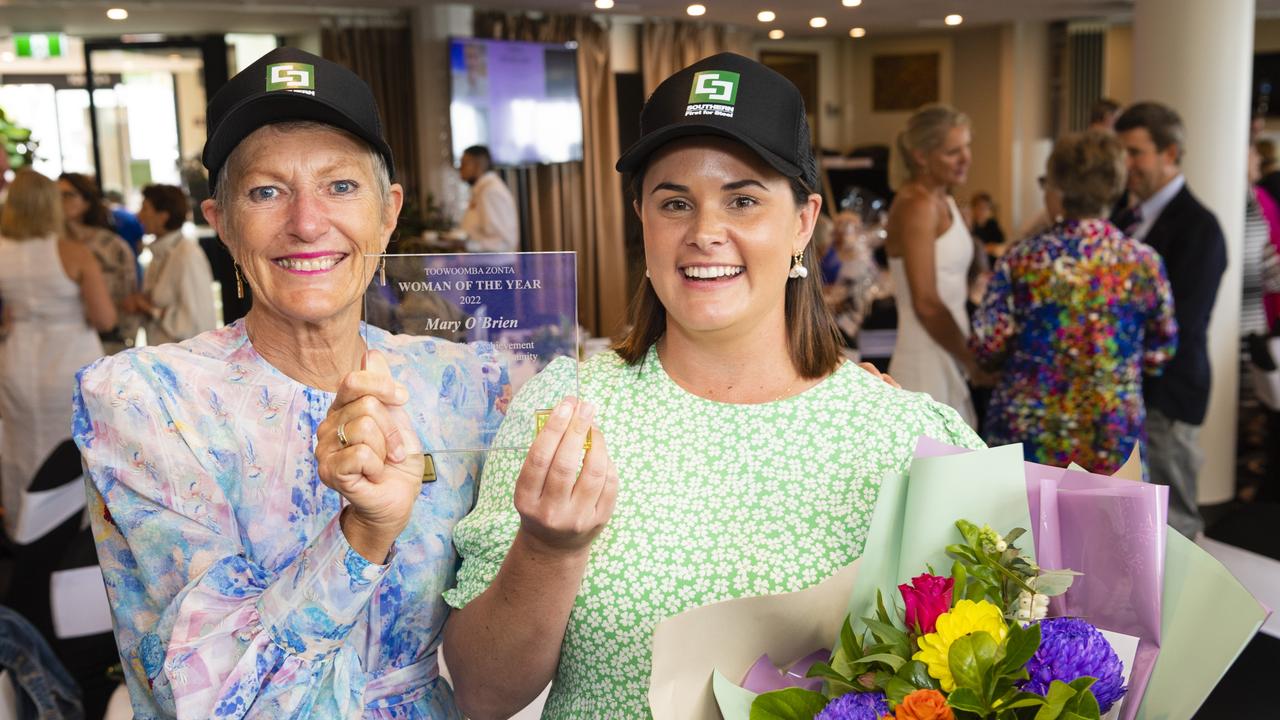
<point x="302" y="209"/>
<point x="720" y="228"/>
<point x="948" y="164"/>
<point x="1149" y="168"/>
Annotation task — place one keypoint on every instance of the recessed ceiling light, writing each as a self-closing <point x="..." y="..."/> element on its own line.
<point x="766" y="16"/>
<point x="818" y="22"/>
<point x="776" y="34"/>
<point x="696" y="10"/>
<point x="118" y="14"/>
<point x="604" y="4"/>
<point x="858" y="32"/>
<point x="953" y="19"/>
<point x="851" y="3"/>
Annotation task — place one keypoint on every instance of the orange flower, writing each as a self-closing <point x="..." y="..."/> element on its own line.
<point x="924" y="705"/>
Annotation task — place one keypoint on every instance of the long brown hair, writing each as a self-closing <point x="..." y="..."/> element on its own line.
<point x="813" y="339"/>
<point x="97" y="215"/>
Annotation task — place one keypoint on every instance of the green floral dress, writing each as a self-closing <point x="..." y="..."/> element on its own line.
<point x="716" y="501"/>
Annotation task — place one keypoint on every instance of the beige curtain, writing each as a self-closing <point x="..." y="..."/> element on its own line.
<point x="377" y="54"/>
<point x="577" y="205"/>
<point x="670" y="45"/>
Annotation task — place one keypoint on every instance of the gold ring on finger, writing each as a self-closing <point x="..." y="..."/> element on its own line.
<point x="342" y="435"/>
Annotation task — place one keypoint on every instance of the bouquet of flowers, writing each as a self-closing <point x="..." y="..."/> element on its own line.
<point x="976" y="643"/>
<point x="1146" y="630"/>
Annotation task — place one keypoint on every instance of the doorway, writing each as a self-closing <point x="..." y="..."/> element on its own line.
<point x="146" y="111"/>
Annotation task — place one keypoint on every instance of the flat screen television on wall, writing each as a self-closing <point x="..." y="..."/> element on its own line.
<point x="518" y="98"/>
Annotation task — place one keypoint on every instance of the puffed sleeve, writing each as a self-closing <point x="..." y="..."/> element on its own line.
<point x="205" y="631"/>
<point x="486" y="533"/>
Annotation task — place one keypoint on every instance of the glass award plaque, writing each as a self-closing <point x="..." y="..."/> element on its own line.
<point x="519" y="309"/>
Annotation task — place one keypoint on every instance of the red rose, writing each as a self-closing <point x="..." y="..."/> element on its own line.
<point x="927" y="597"/>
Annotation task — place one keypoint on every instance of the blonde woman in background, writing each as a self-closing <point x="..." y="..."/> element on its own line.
<point x="88" y="223"/>
<point x="930" y="251"/>
<point x="55" y="301"/>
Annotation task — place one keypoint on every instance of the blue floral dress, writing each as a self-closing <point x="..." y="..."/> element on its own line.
<point x="233" y="590"/>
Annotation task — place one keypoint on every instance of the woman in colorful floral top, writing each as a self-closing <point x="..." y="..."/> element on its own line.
<point x="268" y="545"/>
<point x="746" y="455"/>
<point x="1073" y="318"/>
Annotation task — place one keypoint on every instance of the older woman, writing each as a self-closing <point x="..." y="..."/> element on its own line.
<point x="269" y="547"/>
<point x="1073" y="319"/>
<point x="746" y="454"/>
<point x="930" y="254"/>
<point x="89" y="224"/>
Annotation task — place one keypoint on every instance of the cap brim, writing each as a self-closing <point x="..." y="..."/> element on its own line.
<point x="635" y="156"/>
<point x="283" y="106"/>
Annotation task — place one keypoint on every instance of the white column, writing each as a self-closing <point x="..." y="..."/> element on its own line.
<point x="1197" y="57"/>
<point x="1029" y="135"/>
<point x="432" y="26"/>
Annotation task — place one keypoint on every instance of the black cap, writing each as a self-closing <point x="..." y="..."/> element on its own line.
<point x="734" y="97"/>
<point x="290" y="84"/>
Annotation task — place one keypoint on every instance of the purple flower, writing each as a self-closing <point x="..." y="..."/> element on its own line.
<point x="855" y="706"/>
<point x="1071" y="649"/>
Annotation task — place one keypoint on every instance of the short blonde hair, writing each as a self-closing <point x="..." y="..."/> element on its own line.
<point x="1088" y="169"/>
<point x="33" y="208"/>
<point x="926" y="131"/>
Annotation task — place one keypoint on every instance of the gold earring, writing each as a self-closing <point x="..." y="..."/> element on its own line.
<point x="239" y="282"/>
<point x="798" y="270"/>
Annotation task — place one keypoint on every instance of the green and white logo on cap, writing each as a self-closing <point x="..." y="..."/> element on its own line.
<point x="714" y="86"/>
<point x="291" y="76"/>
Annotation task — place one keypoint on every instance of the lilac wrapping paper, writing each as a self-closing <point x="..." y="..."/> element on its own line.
<point x="765" y="677"/>
<point x="1112" y="530"/>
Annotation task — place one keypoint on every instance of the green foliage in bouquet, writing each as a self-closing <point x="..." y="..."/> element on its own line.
<point x="989" y="567"/>
<point x="965" y="640"/>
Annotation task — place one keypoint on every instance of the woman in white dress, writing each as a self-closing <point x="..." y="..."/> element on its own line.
<point x="55" y="304"/>
<point x="930" y="251"/>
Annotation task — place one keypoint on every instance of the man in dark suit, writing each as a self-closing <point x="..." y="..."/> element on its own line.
<point x="1163" y="213"/>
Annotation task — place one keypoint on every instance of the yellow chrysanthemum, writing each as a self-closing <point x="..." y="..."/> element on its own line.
<point x="966" y="617"/>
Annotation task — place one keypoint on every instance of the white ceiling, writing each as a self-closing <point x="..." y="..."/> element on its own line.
<point x="87" y="17"/>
